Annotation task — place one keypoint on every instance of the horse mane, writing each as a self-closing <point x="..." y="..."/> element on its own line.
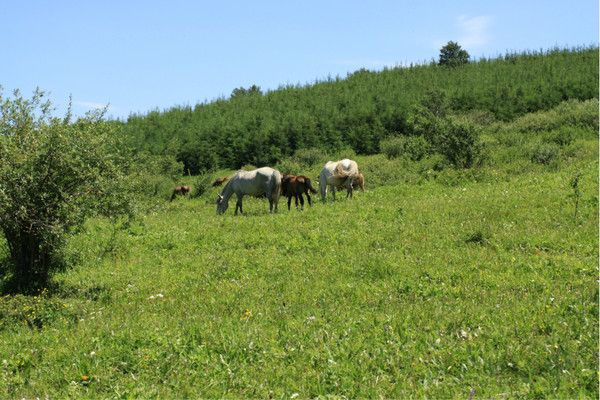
<point x="227" y="191"/>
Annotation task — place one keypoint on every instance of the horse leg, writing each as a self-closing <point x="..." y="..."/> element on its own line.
<point x="333" y="191"/>
<point x="349" y="188"/>
<point x="238" y="204"/>
<point x="289" y="201"/>
<point x="301" y="201"/>
<point x="309" y="199"/>
<point x="323" y="187"/>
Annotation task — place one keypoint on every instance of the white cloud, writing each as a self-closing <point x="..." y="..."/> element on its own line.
<point x="473" y="30"/>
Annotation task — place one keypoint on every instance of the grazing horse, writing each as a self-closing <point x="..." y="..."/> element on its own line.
<point x="219" y="181"/>
<point x="262" y="181"/>
<point x="292" y="185"/>
<point x="357" y="182"/>
<point x="181" y="191"/>
<point x="338" y="174"/>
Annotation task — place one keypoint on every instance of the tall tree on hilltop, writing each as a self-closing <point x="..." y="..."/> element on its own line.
<point x="453" y="55"/>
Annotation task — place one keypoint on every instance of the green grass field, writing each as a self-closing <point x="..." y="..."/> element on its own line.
<point x="444" y="284"/>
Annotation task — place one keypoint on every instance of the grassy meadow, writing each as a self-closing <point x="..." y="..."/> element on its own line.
<point x="434" y="282"/>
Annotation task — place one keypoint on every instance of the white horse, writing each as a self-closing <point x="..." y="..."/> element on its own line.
<point x="338" y="173"/>
<point x="262" y="181"/>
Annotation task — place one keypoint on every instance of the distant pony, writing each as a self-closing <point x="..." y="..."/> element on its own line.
<point x="219" y="181"/>
<point x="262" y="181"/>
<point x="338" y="174"/>
<point x="296" y="186"/>
<point x="180" y="191"/>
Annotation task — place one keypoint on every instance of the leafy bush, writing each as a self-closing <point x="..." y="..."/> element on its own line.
<point x="435" y="162"/>
<point x="456" y="138"/>
<point x="563" y="136"/>
<point x="459" y="142"/>
<point x="202" y="185"/>
<point x="340" y="154"/>
<point x="53" y="175"/>
<point x="544" y="153"/>
<point x="582" y="114"/>
<point x="413" y="147"/>
<point x="290" y="166"/>
<point x="310" y="157"/>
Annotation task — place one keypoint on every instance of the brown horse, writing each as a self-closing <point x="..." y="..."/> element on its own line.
<point x="219" y="181"/>
<point x="181" y="191"/>
<point x="296" y="186"/>
<point x="358" y="181"/>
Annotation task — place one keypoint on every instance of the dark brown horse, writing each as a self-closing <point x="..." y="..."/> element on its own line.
<point x="296" y="186"/>
<point x="181" y="191"/>
<point x="219" y="181"/>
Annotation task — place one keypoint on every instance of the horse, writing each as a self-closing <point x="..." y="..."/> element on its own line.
<point x="357" y="182"/>
<point x="292" y="185"/>
<point x="262" y="181"/>
<point x="181" y="191"/>
<point x="338" y="174"/>
<point x="219" y="181"/>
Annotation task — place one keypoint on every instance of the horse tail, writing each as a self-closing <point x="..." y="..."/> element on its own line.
<point x="309" y="186"/>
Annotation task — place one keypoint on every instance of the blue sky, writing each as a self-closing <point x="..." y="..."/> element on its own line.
<point x="145" y="55"/>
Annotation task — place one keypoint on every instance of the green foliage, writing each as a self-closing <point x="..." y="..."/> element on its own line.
<point x="544" y="153"/>
<point x="310" y="157"/>
<point x="366" y="107"/>
<point x="456" y="138"/>
<point x="53" y="175"/>
<point x="414" y="289"/>
<point x="35" y="312"/>
<point x="453" y="55"/>
<point x="413" y="147"/>
<point x="571" y="113"/>
<point x="202" y="184"/>
<point x="458" y="141"/>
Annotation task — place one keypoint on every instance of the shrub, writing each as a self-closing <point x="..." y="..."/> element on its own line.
<point x="435" y="162"/>
<point x="413" y="147"/>
<point x="310" y="157"/>
<point x="340" y="154"/>
<point x="582" y="114"/>
<point x="202" y="185"/>
<point x="289" y="166"/>
<point x="544" y="153"/>
<point x="563" y="136"/>
<point x="53" y="175"/>
<point x="458" y="140"/>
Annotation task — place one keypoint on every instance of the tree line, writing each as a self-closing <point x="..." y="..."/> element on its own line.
<point x="360" y="110"/>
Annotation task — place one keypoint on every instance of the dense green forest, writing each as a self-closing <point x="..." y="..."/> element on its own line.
<point x="252" y="127"/>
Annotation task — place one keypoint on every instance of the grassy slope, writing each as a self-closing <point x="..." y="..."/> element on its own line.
<point x="412" y="289"/>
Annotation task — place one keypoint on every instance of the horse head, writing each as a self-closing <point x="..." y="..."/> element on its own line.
<point x="221" y="204"/>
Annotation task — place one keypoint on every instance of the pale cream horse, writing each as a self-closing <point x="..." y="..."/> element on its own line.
<point x="338" y="174"/>
<point x="262" y="181"/>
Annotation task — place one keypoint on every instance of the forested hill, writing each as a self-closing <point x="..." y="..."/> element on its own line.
<point x="252" y="127"/>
